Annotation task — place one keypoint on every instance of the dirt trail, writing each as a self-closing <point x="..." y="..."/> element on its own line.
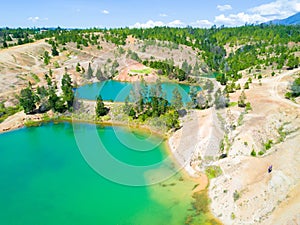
<point x="277" y="83"/>
<point x="260" y="197"/>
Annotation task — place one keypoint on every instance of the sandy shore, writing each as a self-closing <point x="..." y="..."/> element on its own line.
<point x="18" y="120"/>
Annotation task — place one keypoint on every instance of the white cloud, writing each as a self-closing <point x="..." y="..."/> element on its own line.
<point x="148" y="24"/>
<point x="151" y="23"/>
<point x="163" y="15"/>
<point x="176" y="23"/>
<point x="224" y="7"/>
<point x="278" y="9"/>
<point x="36" y="19"/>
<point x="106" y="12"/>
<point x="202" y="24"/>
<point x="239" y="19"/>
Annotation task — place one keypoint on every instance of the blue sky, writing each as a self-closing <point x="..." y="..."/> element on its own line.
<point x="142" y="13"/>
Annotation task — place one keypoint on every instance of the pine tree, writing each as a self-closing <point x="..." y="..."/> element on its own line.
<point x="100" y="75"/>
<point x="89" y="72"/>
<point x="78" y="67"/>
<point x="176" y="99"/>
<point x="27" y="100"/>
<point x="193" y="96"/>
<point x="54" y="50"/>
<point x="5" y="44"/>
<point x="46" y="58"/>
<point x="101" y="110"/>
<point x="196" y="70"/>
<point x="67" y="88"/>
<point x="242" y="100"/>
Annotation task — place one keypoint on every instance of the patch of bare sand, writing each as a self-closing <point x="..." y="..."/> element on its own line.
<point x="18" y="120"/>
<point x="126" y="75"/>
<point x="260" y="197"/>
<point x="192" y="143"/>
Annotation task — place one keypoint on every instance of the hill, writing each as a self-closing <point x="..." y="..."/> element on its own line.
<point x="292" y="20"/>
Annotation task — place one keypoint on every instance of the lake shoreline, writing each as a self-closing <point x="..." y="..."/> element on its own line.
<point x="187" y="169"/>
<point x="21" y="120"/>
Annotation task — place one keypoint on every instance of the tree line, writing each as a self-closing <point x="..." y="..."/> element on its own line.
<point x="45" y="98"/>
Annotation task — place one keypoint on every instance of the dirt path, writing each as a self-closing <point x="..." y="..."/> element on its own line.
<point x="260" y="197"/>
<point x="275" y="88"/>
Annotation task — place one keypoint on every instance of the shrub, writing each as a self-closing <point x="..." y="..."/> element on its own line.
<point x="248" y="106"/>
<point x="268" y="144"/>
<point x="232" y="216"/>
<point x="288" y="95"/>
<point x="213" y="171"/>
<point x="261" y="153"/>
<point x="253" y="153"/>
<point x="246" y="86"/>
<point x="236" y="195"/>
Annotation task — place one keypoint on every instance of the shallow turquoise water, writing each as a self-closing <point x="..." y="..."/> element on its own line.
<point x="44" y="179"/>
<point x="118" y="91"/>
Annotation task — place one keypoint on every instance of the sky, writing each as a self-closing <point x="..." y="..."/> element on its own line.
<point x="142" y="13"/>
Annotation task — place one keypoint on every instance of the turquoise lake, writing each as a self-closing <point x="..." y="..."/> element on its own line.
<point x="45" y="178"/>
<point x="118" y="91"/>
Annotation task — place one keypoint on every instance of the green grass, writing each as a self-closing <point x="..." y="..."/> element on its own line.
<point x="9" y="111"/>
<point x="213" y="171"/>
<point x="31" y="123"/>
<point x="143" y="71"/>
<point x="232" y="104"/>
<point x="282" y="133"/>
<point x="35" y="77"/>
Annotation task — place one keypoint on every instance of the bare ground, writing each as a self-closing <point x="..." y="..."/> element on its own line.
<point x="262" y="198"/>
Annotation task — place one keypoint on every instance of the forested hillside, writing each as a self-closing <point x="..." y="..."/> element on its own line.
<point x="224" y="50"/>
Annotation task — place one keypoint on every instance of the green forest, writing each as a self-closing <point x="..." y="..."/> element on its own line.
<point x="256" y="45"/>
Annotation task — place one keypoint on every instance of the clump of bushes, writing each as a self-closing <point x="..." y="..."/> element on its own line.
<point x="213" y="171"/>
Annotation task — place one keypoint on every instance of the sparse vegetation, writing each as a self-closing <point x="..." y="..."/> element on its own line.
<point x="236" y="195"/>
<point x="213" y="171"/>
<point x="268" y="144"/>
<point x="253" y="153"/>
<point x="232" y="216"/>
<point x="294" y="89"/>
<point x="5" y="112"/>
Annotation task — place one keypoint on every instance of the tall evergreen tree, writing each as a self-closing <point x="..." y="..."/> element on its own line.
<point x="54" y="50"/>
<point x="67" y="88"/>
<point x="193" y="96"/>
<point x="100" y="75"/>
<point x="101" y="110"/>
<point x="78" y="67"/>
<point x="242" y="100"/>
<point x="28" y="99"/>
<point x="89" y="72"/>
<point x="176" y="99"/>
